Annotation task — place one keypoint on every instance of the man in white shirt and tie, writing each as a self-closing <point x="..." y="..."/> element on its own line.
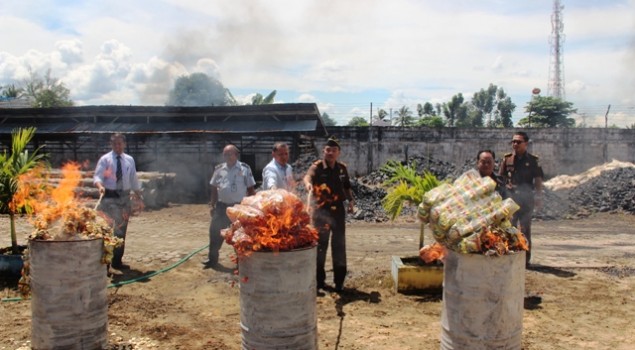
<point x="115" y="177"/>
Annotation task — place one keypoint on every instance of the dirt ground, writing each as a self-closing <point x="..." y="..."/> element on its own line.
<point x="580" y="294"/>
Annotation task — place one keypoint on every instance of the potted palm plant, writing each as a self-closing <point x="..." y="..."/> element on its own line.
<point x="19" y="162"/>
<point x="407" y="188"/>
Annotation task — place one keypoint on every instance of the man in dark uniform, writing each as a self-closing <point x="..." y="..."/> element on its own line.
<point x="328" y="185"/>
<point x="485" y="165"/>
<point x="523" y="177"/>
<point x="230" y="183"/>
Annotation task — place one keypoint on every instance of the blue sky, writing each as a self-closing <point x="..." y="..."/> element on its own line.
<point x="342" y="55"/>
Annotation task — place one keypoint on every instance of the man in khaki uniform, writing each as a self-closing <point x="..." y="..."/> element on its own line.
<point x="523" y="177"/>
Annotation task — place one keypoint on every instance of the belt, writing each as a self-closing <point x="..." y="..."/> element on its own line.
<point x="219" y="203"/>
<point x="115" y="193"/>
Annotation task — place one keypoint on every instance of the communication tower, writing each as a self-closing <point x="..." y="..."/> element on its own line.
<point x="556" y="64"/>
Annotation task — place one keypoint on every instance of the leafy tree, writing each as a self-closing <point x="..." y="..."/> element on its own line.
<point x="10" y="91"/>
<point x="505" y="107"/>
<point x="199" y="89"/>
<point x="259" y="100"/>
<point x="358" y="121"/>
<point x="455" y="111"/>
<point x="426" y="110"/>
<point x="326" y="119"/>
<point x="548" y="112"/>
<point x="404" y="117"/>
<point x="484" y="102"/>
<point x="47" y="91"/>
<point x="381" y="115"/>
<point x="431" y="121"/>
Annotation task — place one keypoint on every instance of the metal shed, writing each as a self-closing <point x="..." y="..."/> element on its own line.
<point x="187" y="141"/>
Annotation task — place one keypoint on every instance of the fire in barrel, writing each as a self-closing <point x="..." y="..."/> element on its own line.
<point x="276" y="248"/>
<point x="64" y="268"/>
<point x="484" y="269"/>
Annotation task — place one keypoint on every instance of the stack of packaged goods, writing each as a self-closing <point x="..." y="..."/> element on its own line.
<point x="469" y="216"/>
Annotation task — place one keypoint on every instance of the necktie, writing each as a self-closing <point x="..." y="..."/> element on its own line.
<point x="119" y="174"/>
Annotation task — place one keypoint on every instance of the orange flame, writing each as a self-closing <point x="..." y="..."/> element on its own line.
<point x="273" y="220"/>
<point x="323" y="195"/>
<point x="432" y="253"/>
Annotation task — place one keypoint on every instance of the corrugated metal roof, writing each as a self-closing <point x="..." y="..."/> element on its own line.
<point x="237" y="127"/>
<point x="283" y="117"/>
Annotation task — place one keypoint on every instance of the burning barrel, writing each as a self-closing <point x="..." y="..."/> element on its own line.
<point x="69" y="303"/>
<point x="277" y="259"/>
<point x="483" y="300"/>
<point x="277" y="300"/>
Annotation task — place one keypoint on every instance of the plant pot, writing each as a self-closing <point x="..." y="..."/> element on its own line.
<point x="410" y="275"/>
<point x="11" y="264"/>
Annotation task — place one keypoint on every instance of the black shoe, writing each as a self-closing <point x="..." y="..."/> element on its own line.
<point x="210" y="263"/>
<point x="339" y="288"/>
<point x="120" y="266"/>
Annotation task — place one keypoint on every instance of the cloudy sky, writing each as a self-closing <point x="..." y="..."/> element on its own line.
<point x="342" y="55"/>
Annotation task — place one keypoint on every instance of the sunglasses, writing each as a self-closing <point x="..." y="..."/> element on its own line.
<point x="516" y="142"/>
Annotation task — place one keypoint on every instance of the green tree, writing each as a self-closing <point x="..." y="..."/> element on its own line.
<point x="199" y="89"/>
<point x="548" y="112"/>
<point x="47" y="91"/>
<point x="455" y="111"/>
<point x="358" y="121"/>
<point x="12" y="166"/>
<point x="404" y="117"/>
<point x="426" y="110"/>
<point x="504" y="110"/>
<point x="381" y="115"/>
<point x="484" y="102"/>
<point x="431" y="121"/>
<point x="11" y="91"/>
<point x="326" y="119"/>
<point x="259" y="100"/>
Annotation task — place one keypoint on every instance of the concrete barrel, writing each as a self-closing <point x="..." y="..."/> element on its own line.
<point x="278" y="300"/>
<point x="483" y="301"/>
<point x="69" y="303"/>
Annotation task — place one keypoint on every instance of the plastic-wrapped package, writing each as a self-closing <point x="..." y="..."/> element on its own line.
<point x="273" y="220"/>
<point x="469" y="216"/>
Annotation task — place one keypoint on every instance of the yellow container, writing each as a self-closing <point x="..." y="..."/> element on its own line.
<point x="411" y="277"/>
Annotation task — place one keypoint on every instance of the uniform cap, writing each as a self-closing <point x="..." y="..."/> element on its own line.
<point x="333" y="142"/>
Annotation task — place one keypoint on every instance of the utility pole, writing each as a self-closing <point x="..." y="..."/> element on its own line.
<point x="606" y="117"/>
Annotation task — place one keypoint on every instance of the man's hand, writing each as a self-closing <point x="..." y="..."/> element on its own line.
<point x="351" y="206"/>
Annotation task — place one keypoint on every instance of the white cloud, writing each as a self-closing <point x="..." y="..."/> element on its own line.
<point x="411" y="51"/>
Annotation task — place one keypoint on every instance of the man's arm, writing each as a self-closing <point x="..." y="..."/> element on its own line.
<point x="98" y="177"/>
<point x="268" y="179"/>
<point x="213" y="198"/>
<point x="308" y="179"/>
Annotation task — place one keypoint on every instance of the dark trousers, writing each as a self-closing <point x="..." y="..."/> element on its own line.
<point x="219" y="222"/>
<point x="118" y="209"/>
<point x="331" y="220"/>
<point x="522" y="218"/>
